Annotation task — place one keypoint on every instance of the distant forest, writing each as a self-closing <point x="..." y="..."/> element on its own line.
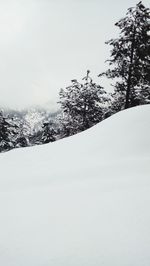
<point x="84" y="104"/>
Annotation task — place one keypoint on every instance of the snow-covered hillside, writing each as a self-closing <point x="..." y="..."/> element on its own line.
<point x="81" y="201"/>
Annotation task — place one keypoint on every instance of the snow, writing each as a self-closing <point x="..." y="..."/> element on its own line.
<point x="80" y="201"/>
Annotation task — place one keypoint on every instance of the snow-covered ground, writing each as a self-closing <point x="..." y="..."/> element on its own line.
<point x="81" y="201"/>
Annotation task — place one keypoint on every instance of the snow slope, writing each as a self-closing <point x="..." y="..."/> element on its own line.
<point x="81" y="201"/>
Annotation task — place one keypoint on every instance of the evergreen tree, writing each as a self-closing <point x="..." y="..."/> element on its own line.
<point x="22" y="132"/>
<point x="82" y="105"/>
<point x="8" y="132"/>
<point x="130" y="57"/>
<point x="48" y="133"/>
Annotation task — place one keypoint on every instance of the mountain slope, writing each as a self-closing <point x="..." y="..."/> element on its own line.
<point x="79" y="201"/>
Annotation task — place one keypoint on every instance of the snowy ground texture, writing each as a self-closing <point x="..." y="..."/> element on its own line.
<point x="81" y="201"/>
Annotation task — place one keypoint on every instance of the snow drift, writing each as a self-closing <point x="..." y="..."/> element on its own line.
<point x="79" y="201"/>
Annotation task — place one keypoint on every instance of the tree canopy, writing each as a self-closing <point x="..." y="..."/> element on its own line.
<point x="130" y="57"/>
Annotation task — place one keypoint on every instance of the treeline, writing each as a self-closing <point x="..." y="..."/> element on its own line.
<point x="24" y="128"/>
<point x="84" y="104"/>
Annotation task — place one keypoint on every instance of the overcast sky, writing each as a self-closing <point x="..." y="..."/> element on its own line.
<point x="46" y="43"/>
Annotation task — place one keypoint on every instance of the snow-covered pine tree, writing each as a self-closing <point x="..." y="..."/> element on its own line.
<point x="22" y="132"/>
<point x="82" y="105"/>
<point x="130" y="57"/>
<point x="8" y="133"/>
<point x="48" y="132"/>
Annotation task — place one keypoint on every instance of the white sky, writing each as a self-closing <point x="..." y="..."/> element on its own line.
<point x="46" y="43"/>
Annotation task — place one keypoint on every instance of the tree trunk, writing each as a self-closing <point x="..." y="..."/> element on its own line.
<point x="130" y="71"/>
<point x="128" y="87"/>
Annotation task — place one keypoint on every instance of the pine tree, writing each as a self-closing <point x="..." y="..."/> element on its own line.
<point x="48" y="133"/>
<point x="82" y="105"/>
<point x="8" y="133"/>
<point x="130" y="57"/>
<point x="22" y="132"/>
